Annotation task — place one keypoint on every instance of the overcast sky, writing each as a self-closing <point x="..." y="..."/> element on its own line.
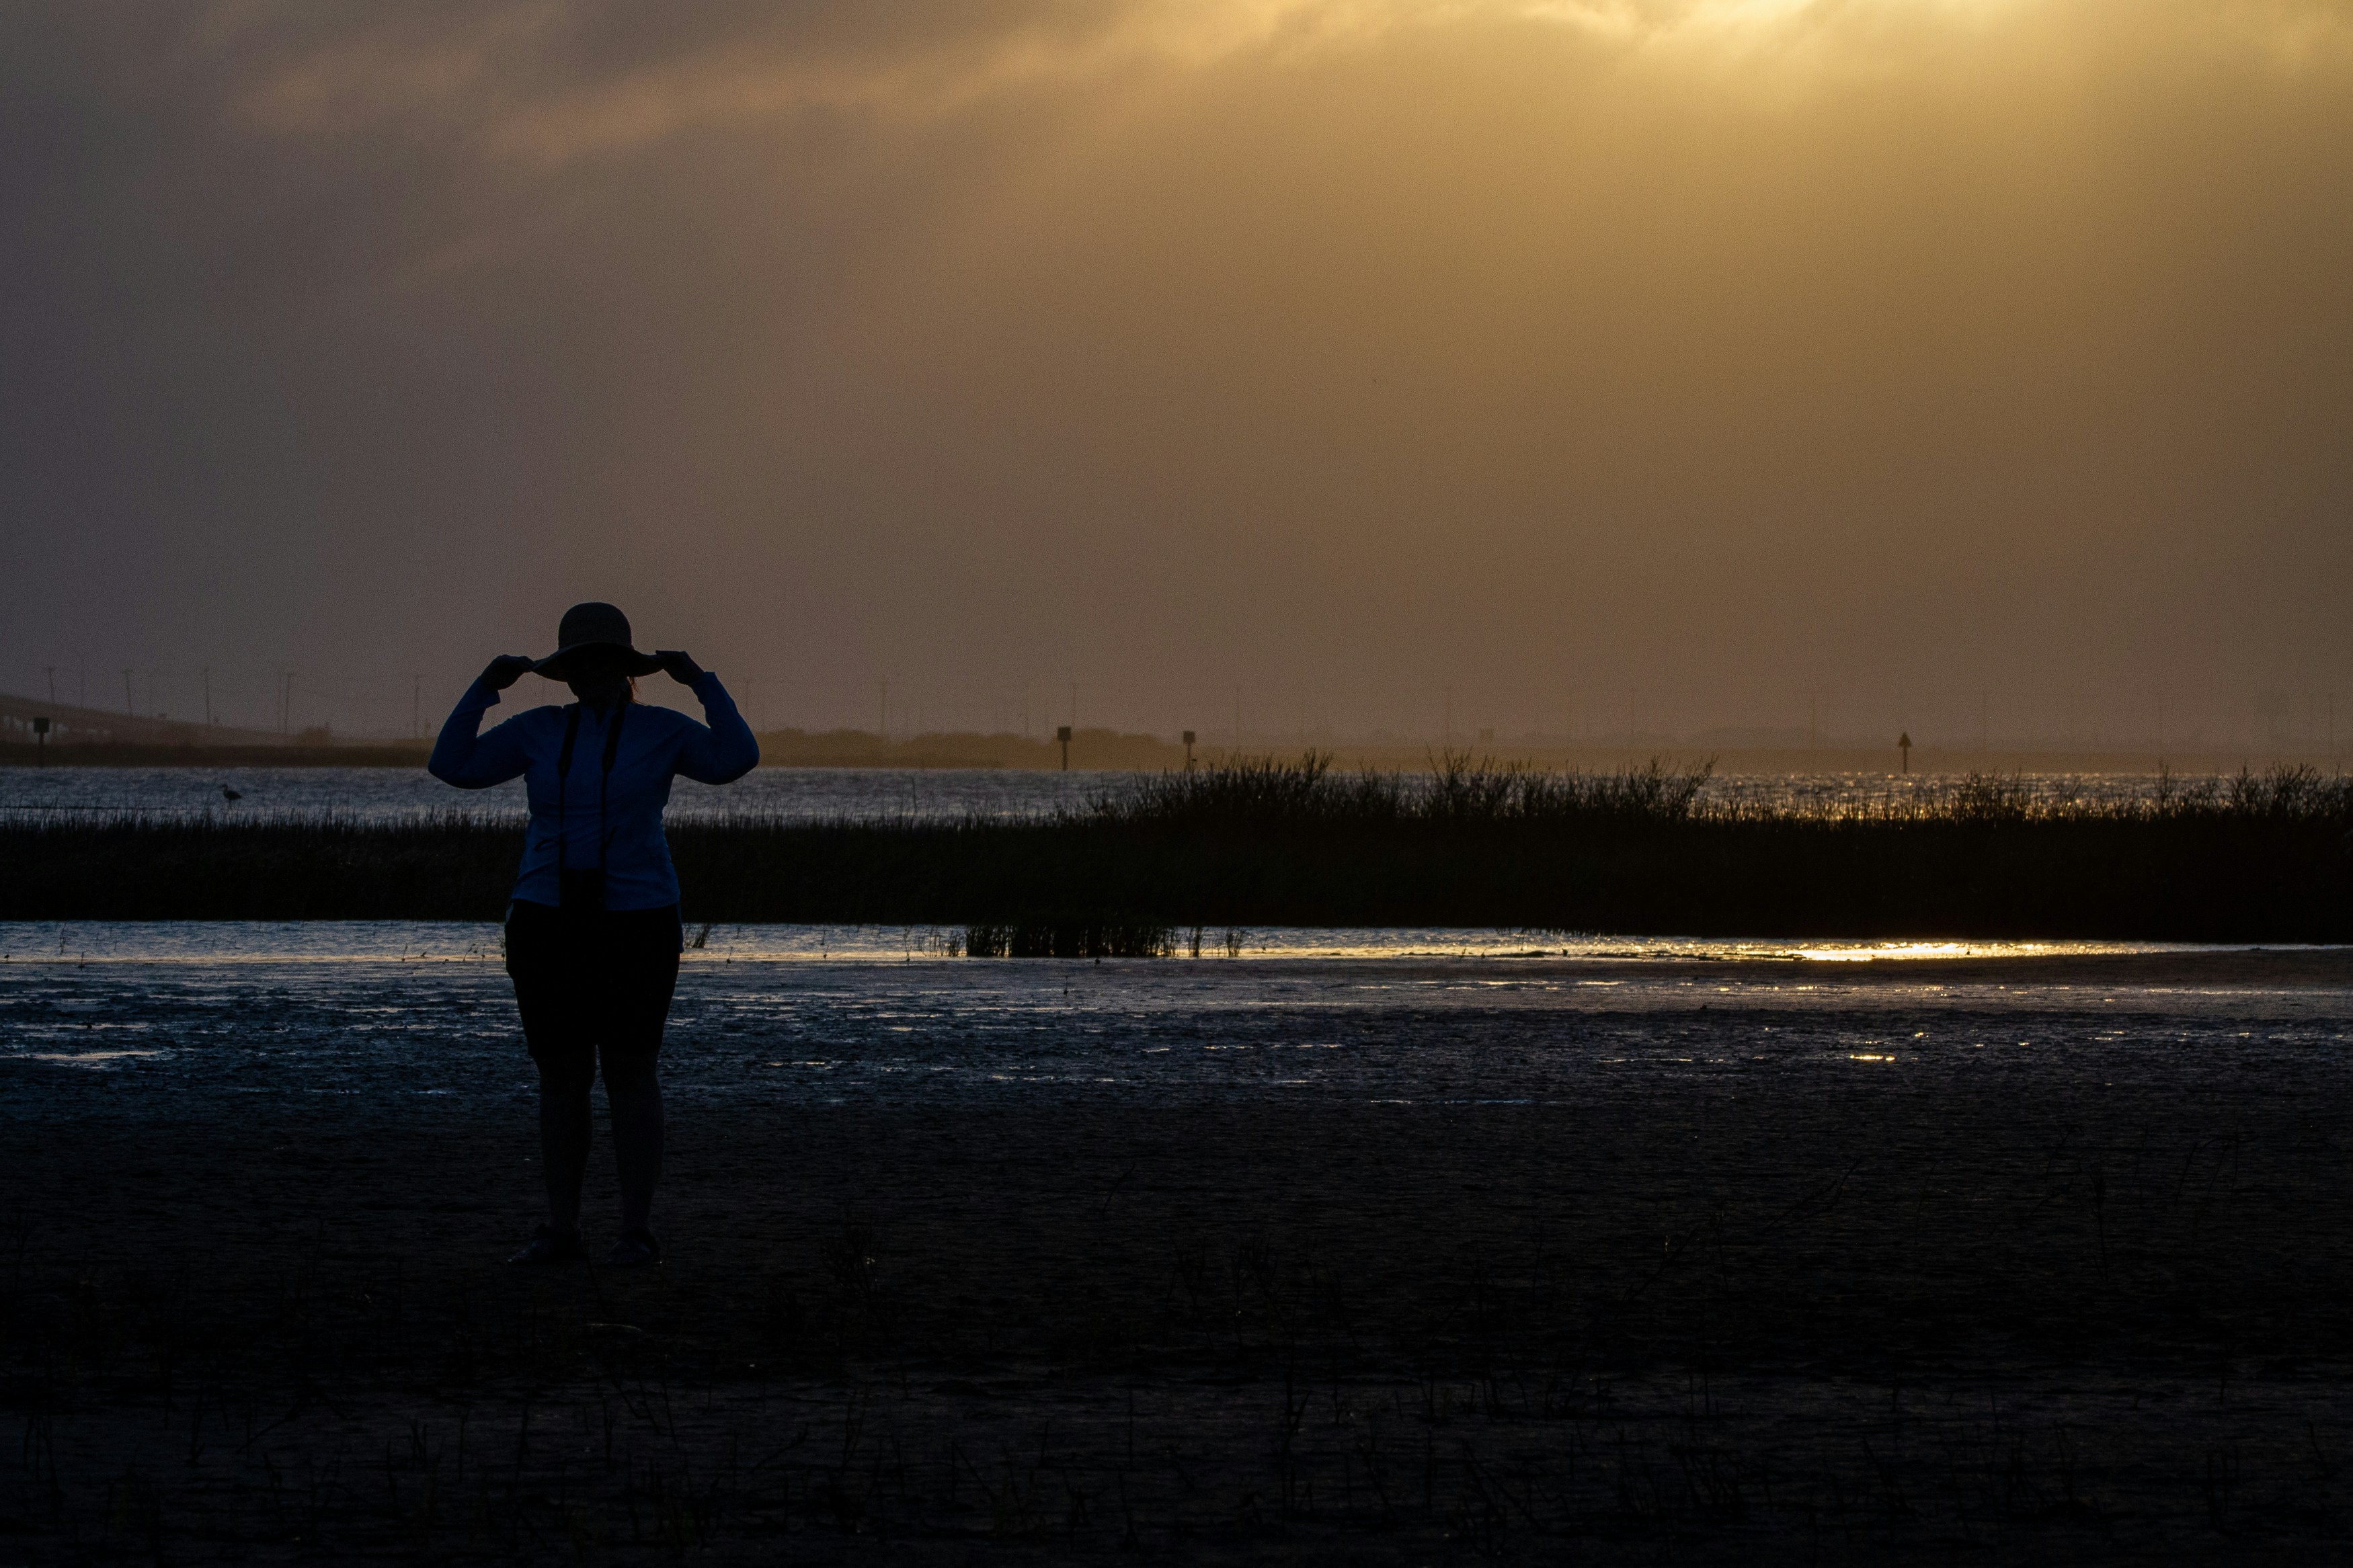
<point x="1731" y="353"/>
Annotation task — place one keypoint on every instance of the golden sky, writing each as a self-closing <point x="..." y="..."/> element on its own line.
<point x="1730" y="351"/>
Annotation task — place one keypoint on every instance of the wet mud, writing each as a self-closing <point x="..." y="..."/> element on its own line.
<point x="1353" y="1262"/>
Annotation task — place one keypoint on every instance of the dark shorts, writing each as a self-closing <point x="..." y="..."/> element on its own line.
<point x="591" y="984"/>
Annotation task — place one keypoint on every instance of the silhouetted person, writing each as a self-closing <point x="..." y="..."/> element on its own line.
<point x="593" y="934"/>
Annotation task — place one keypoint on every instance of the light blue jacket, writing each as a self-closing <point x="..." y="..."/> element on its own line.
<point x="656" y="744"/>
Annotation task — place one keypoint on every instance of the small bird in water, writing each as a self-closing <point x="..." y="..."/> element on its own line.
<point x="228" y="794"/>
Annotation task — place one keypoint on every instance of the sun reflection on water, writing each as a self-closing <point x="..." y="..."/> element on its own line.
<point x="469" y="944"/>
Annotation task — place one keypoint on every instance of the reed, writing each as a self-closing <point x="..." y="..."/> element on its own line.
<point x="2259" y="858"/>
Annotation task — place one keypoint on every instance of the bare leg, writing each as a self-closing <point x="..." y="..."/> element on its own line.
<point x="564" y="1134"/>
<point x="635" y="1094"/>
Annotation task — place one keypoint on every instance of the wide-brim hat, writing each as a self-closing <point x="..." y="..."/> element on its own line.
<point x="594" y="625"/>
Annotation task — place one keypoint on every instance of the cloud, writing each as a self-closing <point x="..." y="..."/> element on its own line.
<point x="540" y="82"/>
<point x="548" y="83"/>
<point x="1645" y="338"/>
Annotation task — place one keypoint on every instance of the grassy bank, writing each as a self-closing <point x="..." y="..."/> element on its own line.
<point x="2254" y="858"/>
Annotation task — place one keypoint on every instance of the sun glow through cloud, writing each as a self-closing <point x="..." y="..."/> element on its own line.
<point x="1350" y="351"/>
<point x="488" y="75"/>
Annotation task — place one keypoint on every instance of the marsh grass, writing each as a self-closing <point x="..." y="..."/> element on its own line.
<point x="2258" y="858"/>
<point x="1458" y="793"/>
<point x="1310" y="795"/>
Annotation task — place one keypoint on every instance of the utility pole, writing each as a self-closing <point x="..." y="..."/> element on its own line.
<point x="126" y="694"/>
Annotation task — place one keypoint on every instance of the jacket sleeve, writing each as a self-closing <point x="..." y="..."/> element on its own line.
<point x="725" y="752"/>
<point x="472" y="760"/>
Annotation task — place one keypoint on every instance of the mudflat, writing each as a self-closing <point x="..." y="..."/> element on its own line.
<point x="2005" y="1261"/>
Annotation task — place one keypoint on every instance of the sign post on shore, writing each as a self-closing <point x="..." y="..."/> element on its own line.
<point x="1062" y="734"/>
<point x="41" y="742"/>
<point x="1903" y="744"/>
<point x="1189" y="750"/>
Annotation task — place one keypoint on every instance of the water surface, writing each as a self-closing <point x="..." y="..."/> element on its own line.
<point x="799" y="794"/>
<point x="194" y="1019"/>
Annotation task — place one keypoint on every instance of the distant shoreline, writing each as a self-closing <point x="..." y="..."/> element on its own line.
<point x="1101" y="752"/>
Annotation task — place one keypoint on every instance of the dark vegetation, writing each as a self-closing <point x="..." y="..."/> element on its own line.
<point x="2252" y="859"/>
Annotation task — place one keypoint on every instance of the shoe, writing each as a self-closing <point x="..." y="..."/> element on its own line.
<point x="634" y="1250"/>
<point x="549" y="1245"/>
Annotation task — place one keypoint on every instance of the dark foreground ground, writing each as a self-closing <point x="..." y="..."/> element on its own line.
<point x="2064" y="1277"/>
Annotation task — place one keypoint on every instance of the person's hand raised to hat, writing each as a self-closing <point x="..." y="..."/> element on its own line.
<point x="505" y="670"/>
<point x="681" y="665"/>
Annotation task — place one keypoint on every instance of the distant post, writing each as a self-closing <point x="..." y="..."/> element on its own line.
<point x="41" y="742"/>
<point x="1903" y="744"/>
<point x="1189" y="750"/>
<point x="1062" y="734"/>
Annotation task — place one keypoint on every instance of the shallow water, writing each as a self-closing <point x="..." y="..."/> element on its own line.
<point x="158" y="1019"/>
<point x="443" y="942"/>
<point x="393" y="794"/>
